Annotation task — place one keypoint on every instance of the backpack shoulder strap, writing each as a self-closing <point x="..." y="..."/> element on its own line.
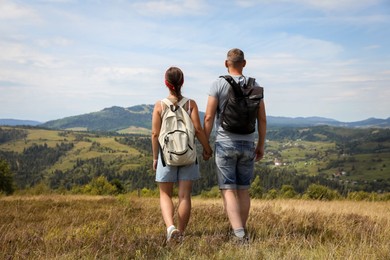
<point x="167" y="102"/>
<point x="251" y="82"/>
<point x="182" y="104"/>
<point x="183" y="101"/>
<point x="236" y="88"/>
<point x="168" y="105"/>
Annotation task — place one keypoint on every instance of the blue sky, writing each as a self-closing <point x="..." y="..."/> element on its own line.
<point x="61" y="58"/>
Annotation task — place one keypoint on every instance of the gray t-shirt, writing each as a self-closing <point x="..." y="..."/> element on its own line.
<point x="220" y="90"/>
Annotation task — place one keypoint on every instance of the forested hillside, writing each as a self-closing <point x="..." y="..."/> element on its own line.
<point x="109" y="119"/>
<point x="124" y="120"/>
<point x="339" y="158"/>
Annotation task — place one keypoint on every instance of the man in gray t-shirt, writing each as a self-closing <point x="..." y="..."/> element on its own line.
<point x="235" y="154"/>
<point x="220" y="90"/>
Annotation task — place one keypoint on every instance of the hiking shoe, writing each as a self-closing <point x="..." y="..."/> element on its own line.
<point x="240" y="240"/>
<point x="173" y="235"/>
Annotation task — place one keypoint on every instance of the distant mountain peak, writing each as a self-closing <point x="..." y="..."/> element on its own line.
<point x="112" y="108"/>
<point x="141" y="109"/>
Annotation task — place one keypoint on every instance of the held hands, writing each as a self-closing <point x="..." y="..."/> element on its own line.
<point x="207" y="153"/>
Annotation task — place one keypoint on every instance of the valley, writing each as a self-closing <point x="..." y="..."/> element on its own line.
<point x="341" y="158"/>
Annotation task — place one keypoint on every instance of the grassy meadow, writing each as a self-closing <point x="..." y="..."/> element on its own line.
<point x="129" y="227"/>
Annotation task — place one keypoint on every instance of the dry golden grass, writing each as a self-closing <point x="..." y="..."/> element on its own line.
<point x="123" y="227"/>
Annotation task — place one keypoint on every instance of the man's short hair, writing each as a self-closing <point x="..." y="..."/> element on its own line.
<point x="235" y="55"/>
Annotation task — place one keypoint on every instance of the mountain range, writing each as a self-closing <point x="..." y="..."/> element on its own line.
<point x="120" y="118"/>
<point x="16" y="122"/>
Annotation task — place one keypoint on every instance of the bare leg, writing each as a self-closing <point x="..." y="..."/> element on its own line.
<point x="232" y="208"/>
<point x="245" y="204"/>
<point x="184" y="208"/>
<point x="166" y="203"/>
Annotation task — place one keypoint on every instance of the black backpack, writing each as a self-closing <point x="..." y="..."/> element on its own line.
<point x="239" y="113"/>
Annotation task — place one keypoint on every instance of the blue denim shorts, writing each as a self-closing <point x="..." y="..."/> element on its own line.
<point x="235" y="163"/>
<point x="176" y="173"/>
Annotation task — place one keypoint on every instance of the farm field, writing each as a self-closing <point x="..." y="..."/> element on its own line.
<point x="127" y="227"/>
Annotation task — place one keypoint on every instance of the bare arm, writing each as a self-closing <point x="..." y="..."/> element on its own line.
<point x="156" y="127"/>
<point x="211" y="109"/>
<point x="198" y="128"/>
<point x="261" y="127"/>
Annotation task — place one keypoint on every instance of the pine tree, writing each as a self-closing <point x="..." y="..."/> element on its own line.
<point x="256" y="190"/>
<point x="6" y="180"/>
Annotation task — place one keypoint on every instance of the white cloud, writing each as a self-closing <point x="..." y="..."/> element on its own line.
<point x="171" y="7"/>
<point x="372" y="47"/>
<point x="10" y="11"/>
<point x="54" y="42"/>
<point x="22" y="54"/>
<point x="124" y="72"/>
<point x="337" y="5"/>
<point x="326" y="5"/>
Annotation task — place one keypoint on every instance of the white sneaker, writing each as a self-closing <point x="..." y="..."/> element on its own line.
<point x="173" y="234"/>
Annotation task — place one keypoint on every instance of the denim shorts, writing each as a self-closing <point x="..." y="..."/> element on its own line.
<point x="235" y="163"/>
<point x="176" y="173"/>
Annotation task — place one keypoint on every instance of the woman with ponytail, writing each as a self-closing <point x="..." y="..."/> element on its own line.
<point x="167" y="176"/>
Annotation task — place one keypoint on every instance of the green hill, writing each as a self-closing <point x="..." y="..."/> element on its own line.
<point x="67" y="158"/>
<point x="109" y="119"/>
